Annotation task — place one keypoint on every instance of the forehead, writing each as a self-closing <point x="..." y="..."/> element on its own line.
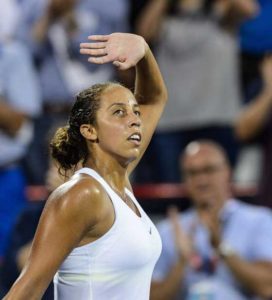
<point x="117" y="94"/>
<point x="203" y="155"/>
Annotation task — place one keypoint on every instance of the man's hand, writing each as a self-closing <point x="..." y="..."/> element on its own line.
<point x="210" y="218"/>
<point x="184" y="243"/>
<point x="124" y="50"/>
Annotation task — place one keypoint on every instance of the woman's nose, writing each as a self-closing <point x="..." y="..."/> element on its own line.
<point x="134" y="120"/>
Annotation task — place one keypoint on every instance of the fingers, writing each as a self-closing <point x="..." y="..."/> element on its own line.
<point x="97" y="52"/>
<point x="99" y="60"/>
<point x="173" y="214"/>
<point x="94" y="52"/>
<point x="174" y="219"/>
<point x="98" y="45"/>
<point x="121" y="65"/>
<point x="103" y="38"/>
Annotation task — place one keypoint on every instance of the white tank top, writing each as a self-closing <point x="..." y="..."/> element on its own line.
<point x="118" y="265"/>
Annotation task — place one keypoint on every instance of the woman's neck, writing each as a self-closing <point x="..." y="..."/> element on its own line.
<point x="112" y="172"/>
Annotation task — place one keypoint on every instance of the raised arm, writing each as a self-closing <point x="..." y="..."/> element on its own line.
<point x="255" y="115"/>
<point x="233" y="12"/>
<point x="126" y="50"/>
<point x="245" y="8"/>
<point x="66" y="219"/>
<point x="149" y="21"/>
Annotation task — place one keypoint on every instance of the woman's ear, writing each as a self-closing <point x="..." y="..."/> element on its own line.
<point x="88" y="131"/>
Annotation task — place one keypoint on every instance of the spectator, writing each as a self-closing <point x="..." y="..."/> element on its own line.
<point x="256" y="42"/>
<point x="255" y="125"/>
<point x="221" y="248"/>
<point x="19" y="102"/>
<point x="197" y="52"/>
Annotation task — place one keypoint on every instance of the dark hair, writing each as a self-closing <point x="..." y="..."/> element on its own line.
<point x="206" y="8"/>
<point x="68" y="146"/>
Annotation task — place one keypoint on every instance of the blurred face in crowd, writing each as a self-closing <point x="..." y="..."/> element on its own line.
<point x="190" y="5"/>
<point x="206" y="174"/>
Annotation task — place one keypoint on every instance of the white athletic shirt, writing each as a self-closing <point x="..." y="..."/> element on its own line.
<point x="118" y="265"/>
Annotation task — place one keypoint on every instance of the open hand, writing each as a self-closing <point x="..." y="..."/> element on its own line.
<point x="184" y="243"/>
<point x="124" y="50"/>
<point x="210" y="218"/>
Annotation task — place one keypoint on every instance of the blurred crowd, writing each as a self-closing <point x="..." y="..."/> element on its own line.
<point x="216" y="59"/>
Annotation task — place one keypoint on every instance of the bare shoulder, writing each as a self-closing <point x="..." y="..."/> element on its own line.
<point x="80" y="196"/>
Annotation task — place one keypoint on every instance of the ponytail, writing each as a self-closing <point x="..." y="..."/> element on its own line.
<point x="68" y="147"/>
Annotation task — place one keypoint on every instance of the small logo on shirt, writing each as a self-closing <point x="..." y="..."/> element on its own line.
<point x="150" y="230"/>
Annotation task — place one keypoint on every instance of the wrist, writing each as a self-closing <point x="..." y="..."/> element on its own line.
<point x="225" y="250"/>
<point x="146" y="47"/>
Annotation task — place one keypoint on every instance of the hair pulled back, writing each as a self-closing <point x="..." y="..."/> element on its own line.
<point x="68" y="147"/>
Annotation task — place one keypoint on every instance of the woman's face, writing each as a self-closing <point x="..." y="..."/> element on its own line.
<point x="119" y="127"/>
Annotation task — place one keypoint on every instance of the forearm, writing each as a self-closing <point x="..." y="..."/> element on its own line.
<point x="149" y="84"/>
<point x="148" y="24"/>
<point x="25" y="288"/>
<point x="40" y="29"/>
<point x="10" y="120"/>
<point x="170" y="286"/>
<point x="254" y="116"/>
<point x="255" y="277"/>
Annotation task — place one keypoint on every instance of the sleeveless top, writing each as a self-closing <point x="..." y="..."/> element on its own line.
<point x="118" y="265"/>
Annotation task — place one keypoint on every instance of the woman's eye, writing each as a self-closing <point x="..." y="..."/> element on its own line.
<point x="137" y="113"/>
<point x="119" y="112"/>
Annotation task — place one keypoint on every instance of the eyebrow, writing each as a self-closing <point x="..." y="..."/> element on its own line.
<point x="136" y="105"/>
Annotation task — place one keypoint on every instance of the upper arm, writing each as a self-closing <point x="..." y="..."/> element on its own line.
<point x="65" y="220"/>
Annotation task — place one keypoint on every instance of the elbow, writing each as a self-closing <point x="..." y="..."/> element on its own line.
<point x="164" y="94"/>
<point x="160" y="93"/>
<point x="162" y="97"/>
<point x="240" y="134"/>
